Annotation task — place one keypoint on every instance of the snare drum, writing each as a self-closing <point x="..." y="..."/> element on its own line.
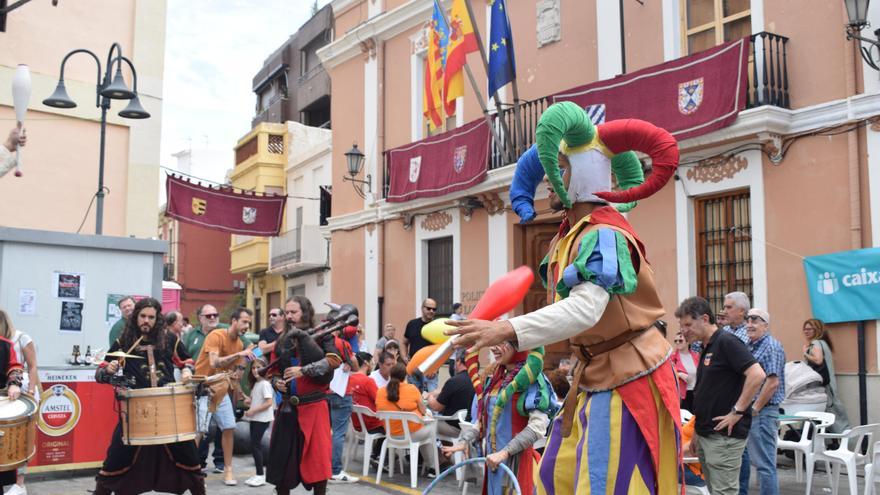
<point x="157" y="415"/>
<point x="17" y="429"/>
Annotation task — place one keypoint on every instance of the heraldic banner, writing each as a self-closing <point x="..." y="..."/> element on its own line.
<point x="688" y="97"/>
<point x="224" y="209"/>
<point x="441" y="164"/>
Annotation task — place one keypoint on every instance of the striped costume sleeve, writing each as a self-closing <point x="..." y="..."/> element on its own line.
<point x="604" y="259"/>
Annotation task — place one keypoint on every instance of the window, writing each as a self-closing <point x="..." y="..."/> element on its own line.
<point x="724" y="246"/>
<point x="440" y="273"/>
<point x="706" y="23"/>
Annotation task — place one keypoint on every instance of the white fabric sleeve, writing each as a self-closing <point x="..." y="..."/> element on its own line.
<point x="563" y="319"/>
<point x="7" y="160"/>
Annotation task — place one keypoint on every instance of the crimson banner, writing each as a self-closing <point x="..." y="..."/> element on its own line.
<point x="224" y="209"/>
<point x="688" y="97"/>
<point x="440" y="164"/>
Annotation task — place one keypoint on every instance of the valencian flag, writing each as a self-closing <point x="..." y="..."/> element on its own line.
<point x="461" y="42"/>
<point x="502" y="66"/>
<point x="438" y="37"/>
<point x="224" y="209"/>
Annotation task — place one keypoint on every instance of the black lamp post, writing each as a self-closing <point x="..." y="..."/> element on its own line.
<point x="105" y="90"/>
<point x="355" y="160"/>
<point x="857" y="12"/>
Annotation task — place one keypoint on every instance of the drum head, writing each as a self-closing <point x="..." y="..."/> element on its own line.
<point x="15" y="409"/>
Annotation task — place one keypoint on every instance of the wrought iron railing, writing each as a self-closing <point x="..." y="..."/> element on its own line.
<point x="521" y="136"/>
<point x="768" y="71"/>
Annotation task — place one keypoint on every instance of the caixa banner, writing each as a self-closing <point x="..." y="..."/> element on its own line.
<point x="844" y="286"/>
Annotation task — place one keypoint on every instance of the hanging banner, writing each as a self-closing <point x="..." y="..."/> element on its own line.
<point x="688" y="97"/>
<point x="224" y="209"/>
<point x="440" y="164"/>
<point x="844" y="286"/>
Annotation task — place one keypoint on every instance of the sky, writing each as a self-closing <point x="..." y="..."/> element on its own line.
<point x="212" y="52"/>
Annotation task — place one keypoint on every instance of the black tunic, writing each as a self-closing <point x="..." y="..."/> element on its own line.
<point x="173" y="467"/>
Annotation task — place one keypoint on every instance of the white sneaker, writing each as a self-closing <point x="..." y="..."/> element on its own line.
<point x="343" y="477"/>
<point x="256" y="481"/>
<point x="16" y="490"/>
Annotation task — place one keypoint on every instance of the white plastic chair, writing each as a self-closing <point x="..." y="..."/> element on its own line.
<point x="457" y="457"/>
<point x="405" y="442"/>
<point x="361" y="412"/>
<point x="841" y="456"/>
<point x="821" y="420"/>
<point x="800" y="447"/>
<point x="869" y="469"/>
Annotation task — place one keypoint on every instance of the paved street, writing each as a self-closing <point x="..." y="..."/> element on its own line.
<point x="81" y="482"/>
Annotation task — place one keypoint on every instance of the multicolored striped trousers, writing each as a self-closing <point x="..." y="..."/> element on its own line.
<point x="623" y="441"/>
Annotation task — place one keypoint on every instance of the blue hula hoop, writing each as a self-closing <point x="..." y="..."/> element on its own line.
<point x="470" y="461"/>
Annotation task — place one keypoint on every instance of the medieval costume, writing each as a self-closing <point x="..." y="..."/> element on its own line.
<point x="300" y="446"/>
<point x="132" y="469"/>
<point x="513" y="410"/>
<point x="10" y="374"/>
<point x="619" y="429"/>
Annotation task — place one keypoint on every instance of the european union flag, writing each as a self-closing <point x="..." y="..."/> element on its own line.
<point x="502" y="66"/>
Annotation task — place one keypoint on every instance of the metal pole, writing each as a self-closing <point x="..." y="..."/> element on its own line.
<point x="622" y="41"/>
<point x="99" y="207"/>
<point x="863" y="379"/>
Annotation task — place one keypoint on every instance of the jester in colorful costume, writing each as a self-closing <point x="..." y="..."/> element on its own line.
<point x="619" y="428"/>
<point x="512" y="410"/>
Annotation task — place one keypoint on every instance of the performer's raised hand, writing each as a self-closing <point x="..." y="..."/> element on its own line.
<point x="17" y="137"/>
<point x="186" y="375"/>
<point x="292" y="372"/>
<point x="473" y="335"/>
<point x="112" y="367"/>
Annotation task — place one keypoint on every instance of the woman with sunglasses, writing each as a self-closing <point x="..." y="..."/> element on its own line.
<point x="686" y="362"/>
<point x="817" y="352"/>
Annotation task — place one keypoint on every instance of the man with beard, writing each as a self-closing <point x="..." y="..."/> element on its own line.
<point x="300" y="447"/>
<point x="602" y="299"/>
<point x="224" y="351"/>
<point x="173" y="467"/>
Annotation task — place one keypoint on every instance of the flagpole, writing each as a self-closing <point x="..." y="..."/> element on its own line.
<point x="498" y="143"/>
<point x="517" y="125"/>
<point x="511" y="151"/>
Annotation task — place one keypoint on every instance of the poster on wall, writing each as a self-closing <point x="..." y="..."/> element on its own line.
<point x="27" y="302"/>
<point x="71" y="316"/>
<point x="67" y="285"/>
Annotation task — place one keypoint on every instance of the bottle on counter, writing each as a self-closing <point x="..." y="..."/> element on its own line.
<point x="76" y="355"/>
<point x="88" y="357"/>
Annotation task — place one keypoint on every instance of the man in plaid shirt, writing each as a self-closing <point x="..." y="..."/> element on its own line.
<point x="761" y="449"/>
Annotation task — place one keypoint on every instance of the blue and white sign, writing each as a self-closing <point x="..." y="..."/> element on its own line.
<point x="844" y="286"/>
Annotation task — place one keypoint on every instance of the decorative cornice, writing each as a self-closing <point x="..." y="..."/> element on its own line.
<point x="715" y="170"/>
<point x="437" y="221"/>
<point x="381" y="27"/>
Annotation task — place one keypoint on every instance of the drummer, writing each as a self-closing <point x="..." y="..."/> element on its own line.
<point x="136" y="469"/>
<point x="10" y="378"/>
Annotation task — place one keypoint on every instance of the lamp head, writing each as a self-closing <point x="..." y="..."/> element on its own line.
<point x="59" y="99"/>
<point x="355" y="160"/>
<point x="117" y="90"/>
<point x="134" y="110"/>
<point x="857" y="12"/>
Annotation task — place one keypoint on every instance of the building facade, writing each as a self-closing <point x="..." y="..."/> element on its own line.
<point x="281" y="156"/>
<point x="60" y="162"/>
<point x="792" y="176"/>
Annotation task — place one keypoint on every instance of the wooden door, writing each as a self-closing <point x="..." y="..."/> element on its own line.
<point x="536" y="239"/>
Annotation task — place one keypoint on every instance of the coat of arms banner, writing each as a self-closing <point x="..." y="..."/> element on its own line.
<point x="689" y="96"/>
<point x="223" y="208"/>
<point x="440" y="164"/>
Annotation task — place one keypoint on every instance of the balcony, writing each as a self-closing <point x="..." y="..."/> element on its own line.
<point x="767" y="85"/>
<point x="298" y="251"/>
<point x="248" y="254"/>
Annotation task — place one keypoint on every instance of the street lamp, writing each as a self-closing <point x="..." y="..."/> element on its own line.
<point x="857" y="12"/>
<point x="105" y="90"/>
<point x="355" y="160"/>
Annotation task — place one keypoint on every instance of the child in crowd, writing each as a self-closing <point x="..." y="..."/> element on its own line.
<point x="259" y="414"/>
